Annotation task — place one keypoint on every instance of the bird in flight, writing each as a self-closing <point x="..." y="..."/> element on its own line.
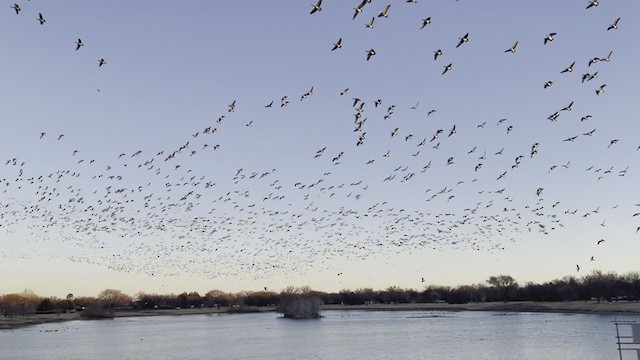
<point x="317" y="7"/>
<point x="568" y="68"/>
<point x="41" y="19"/>
<point x="436" y="54"/>
<point x="568" y="107"/>
<point x="369" y="25"/>
<point x="79" y="44"/>
<point x="614" y="25"/>
<point x="370" y="53"/>
<point x="385" y="13"/>
<point x="425" y="22"/>
<point x="593" y="3"/>
<point x="549" y="37"/>
<point x="600" y="90"/>
<point x="463" y="39"/>
<point x="447" y="68"/>
<point x="359" y="8"/>
<point x="452" y="131"/>
<point x="16" y="7"/>
<point x="101" y="62"/>
<point x="600" y="241"/>
<point x="337" y="45"/>
<point x="513" y="47"/>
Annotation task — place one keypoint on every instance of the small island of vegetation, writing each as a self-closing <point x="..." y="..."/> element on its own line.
<point x="299" y="303"/>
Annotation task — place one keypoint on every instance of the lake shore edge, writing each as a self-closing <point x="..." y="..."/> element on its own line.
<point x="570" y="307"/>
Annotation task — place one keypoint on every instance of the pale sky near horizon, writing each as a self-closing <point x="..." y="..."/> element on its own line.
<point x="92" y="220"/>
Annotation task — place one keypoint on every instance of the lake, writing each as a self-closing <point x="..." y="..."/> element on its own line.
<point x="339" y="335"/>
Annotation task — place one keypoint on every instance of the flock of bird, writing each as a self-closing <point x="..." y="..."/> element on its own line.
<point x="254" y="223"/>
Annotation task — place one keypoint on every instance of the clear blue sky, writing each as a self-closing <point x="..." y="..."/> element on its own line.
<point x="138" y="223"/>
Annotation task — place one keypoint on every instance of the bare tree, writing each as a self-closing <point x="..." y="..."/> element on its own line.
<point x="504" y="283"/>
<point x="299" y="303"/>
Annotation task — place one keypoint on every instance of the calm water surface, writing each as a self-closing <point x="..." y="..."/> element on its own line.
<point x="340" y="335"/>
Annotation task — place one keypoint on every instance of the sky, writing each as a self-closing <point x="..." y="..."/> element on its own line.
<point x="156" y="186"/>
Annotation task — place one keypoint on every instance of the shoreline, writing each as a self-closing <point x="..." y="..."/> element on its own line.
<point x="570" y="307"/>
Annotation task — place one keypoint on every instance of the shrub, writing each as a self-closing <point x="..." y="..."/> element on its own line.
<point x="299" y="304"/>
<point x="97" y="310"/>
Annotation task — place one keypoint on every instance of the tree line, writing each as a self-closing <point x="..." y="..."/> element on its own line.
<point x="596" y="286"/>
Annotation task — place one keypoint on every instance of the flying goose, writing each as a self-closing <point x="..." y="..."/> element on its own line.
<point x="425" y="22"/>
<point x="337" y="45"/>
<point x="512" y="49"/>
<point x="463" y="39"/>
<point x="568" y="68"/>
<point x="568" y="107"/>
<point x="359" y="8"/>
<point x="385" y="12"/>
<point x="316" y="7"/>
<point x="614" y="25"/>
<point x="370" y="53"/>
<point x="369" y="25"/>
<point x="549" y="37"/>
